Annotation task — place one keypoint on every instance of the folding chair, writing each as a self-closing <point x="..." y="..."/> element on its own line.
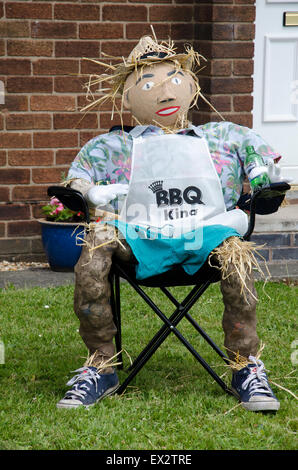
<point x="264" y="201"/>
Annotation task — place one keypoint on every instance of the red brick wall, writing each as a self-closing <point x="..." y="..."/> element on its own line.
<point x="41" y="49"/>
<point x="224" y="34"/>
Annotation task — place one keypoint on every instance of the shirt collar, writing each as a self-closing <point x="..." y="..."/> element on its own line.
<point x="197" y="130"/>
<point x="137" y="131"/>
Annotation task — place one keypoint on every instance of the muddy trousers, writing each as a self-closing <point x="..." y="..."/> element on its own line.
<point x="92" y="302"/>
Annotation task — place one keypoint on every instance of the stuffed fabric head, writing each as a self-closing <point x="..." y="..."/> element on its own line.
<point x="161" y="93"/>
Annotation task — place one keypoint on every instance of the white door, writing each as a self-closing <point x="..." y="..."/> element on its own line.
<point x="275" y="112"/>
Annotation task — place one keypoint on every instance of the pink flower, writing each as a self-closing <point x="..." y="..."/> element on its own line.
<point x="54" y="201"/>
<point x="59" y="208"/>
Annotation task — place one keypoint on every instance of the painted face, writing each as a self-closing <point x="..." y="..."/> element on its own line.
<point x="161" y="95"/>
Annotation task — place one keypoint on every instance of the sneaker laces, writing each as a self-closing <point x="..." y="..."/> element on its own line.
<point x="257" y="379"/>
<point x="80" y="381"/>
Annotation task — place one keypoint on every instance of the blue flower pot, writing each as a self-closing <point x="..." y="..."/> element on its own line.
<point x="60" y="243"/>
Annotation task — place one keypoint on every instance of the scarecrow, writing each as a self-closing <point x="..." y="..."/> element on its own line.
<point x="161" y="164"/>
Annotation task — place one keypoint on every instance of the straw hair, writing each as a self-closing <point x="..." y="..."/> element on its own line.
<point x="93" y="229"/>
<point x="239" y="362"/>
<point x="148" y="51"/>
<point x="102" y="364"/>
<point x="96" y="360"/>
<point x="236" y="256"/>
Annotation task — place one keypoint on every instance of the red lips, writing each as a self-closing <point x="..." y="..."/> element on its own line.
<point x="168" y="111"/>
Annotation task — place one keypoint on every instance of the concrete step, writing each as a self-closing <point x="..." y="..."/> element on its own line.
<point x="278" y="233"/>
<point x="284" y="220"/>
<point x="279" y="271"/>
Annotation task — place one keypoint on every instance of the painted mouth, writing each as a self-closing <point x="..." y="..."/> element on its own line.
<point x="168" y="111"/>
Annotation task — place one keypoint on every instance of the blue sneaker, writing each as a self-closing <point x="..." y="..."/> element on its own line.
<point x="251" y="386"/>
<point x="88" y="388"/>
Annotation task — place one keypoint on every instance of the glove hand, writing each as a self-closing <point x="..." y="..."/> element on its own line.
<point x="103" y="194"/>
<point x="274" y="173"/>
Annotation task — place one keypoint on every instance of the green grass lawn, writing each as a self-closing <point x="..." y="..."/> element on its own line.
<point x="173" y="404"/>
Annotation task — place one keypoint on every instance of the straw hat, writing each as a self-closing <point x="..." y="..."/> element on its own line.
<point x="149" y="51"/>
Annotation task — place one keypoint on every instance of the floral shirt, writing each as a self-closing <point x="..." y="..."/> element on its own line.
<point x="107" y="157"/>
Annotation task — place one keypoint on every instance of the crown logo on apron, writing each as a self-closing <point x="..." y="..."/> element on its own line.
<point x="156" y="186"/>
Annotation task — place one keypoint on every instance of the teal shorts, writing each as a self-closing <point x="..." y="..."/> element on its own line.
<point x="156" y="254"/>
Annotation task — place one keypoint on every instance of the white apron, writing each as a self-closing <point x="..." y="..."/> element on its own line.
<point x="174" y="187"/>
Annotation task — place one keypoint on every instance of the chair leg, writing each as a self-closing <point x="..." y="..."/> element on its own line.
<point x="116" y="310"/>
<point x="164" y="328"/>
<point x="197" y="327"/>
<point x="170" y="327"/>
<point x="207" y="338"/>
<point x="172" y="319"/>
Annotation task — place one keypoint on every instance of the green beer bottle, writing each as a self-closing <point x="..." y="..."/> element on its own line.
<point x="255" y="169"/>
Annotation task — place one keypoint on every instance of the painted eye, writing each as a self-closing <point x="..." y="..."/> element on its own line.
<point x="176" y="80"/>
<point x="148" y="86"/>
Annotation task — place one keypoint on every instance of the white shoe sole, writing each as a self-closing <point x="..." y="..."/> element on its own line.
<point x="259" y="405"/>
<point x="272" y="405"/>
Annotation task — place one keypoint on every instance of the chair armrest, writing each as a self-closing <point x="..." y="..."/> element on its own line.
<point x="71" y="198"/>
<point x="274" y="190"/>
<point x="75" y="200"/>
